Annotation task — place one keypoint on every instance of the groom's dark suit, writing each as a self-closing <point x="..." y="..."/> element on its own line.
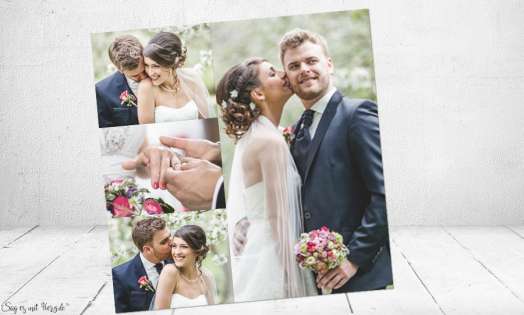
<point x="343" y="187"/>
<point x="129" y="297"/>
<point x="111" y="112"/>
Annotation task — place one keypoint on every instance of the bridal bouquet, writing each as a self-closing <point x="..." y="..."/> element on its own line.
<point x="125" y="199"/>
<point x="320" y="250"/>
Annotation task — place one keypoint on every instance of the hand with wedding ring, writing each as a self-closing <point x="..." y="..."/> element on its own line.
<point x="193" y="183"/>
<point x="153" y="161"/>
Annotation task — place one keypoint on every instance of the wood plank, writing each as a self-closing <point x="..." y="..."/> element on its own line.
<point x="499" y="250"/>
<point x="104" y="303"/>
<point x="12" y="234"/>
<point x="517" y="229"/>
<point x="74" y="278"/>
<point x="409" y="295"/>
<point x="459" y="283"/>
<point x="28" y="256"/>
<point x="334" y="304"/>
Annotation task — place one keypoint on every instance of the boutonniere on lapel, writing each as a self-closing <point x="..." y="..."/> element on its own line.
<point x="145" y="284"/>
<point x="127" y="99"/>
<point x="289" y="134"/>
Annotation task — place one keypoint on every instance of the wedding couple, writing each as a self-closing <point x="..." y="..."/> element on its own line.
<point x="167" y="272"/>
<point x="331" y="175"/>
<point x="150" y="85"/>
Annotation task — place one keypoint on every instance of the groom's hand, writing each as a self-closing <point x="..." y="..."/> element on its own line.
<point x="337" y="277"/>
<point x="193" y="182"/>
<point x="195" y="148"/>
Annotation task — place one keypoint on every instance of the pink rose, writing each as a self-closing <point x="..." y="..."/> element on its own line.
<point x="121" y="207"/>
<point x="142" y="280"/>
<point x="124" y="95"/>
<point x="152" y="206"/>
<point x="116" y="182"/>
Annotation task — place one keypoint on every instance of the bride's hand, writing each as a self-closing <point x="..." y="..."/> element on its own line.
<point x="153" y="161"/>
<point x="240" y="236"/>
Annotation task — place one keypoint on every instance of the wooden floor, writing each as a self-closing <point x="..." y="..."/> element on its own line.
<point x="437" y="270"/>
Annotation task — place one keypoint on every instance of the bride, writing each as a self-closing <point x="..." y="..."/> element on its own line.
<point x="185" y="283"/>
<point x="264" y="185"/>
<point x="171" y="93"/>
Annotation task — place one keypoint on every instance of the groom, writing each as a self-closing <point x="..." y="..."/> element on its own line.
<point x="116" y="95"/>
<point x="134" y="282"/>
<point x="336" y="148"/>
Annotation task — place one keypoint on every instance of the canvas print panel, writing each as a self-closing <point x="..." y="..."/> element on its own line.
<point x="303" y="164"/>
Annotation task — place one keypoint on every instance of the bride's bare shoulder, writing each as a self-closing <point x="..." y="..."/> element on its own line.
<point x="147" y="86"/>
<point x="170" y="270"/>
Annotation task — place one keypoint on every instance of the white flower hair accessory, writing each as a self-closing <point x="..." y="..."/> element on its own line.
<point x="224" y="104"/>
<point x="233" y="94"/>
<point x="252" y="105"/>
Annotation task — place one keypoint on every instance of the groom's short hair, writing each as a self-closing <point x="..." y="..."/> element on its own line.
<point x="144" y="230"/>
<point x="125" y="52"/>
<point x="297" y="37"/>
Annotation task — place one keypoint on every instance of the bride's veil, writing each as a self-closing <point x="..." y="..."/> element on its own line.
<point x="282" y="186"/>
<point x="192" y="84"/>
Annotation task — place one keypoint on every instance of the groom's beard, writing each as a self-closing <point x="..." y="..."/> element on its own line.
<point x="311" y="96"/>
<point x="319" y="86"/>
<point x="161" y="257"/>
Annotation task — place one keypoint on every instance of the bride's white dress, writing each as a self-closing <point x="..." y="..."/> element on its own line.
<point x="178" y="300"/>
<point x="165" y="113"/>
<point x="266" y="268"/>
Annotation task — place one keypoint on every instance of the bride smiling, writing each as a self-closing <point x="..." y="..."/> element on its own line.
<point x="185" y="283"/>
<point x="171" y="93"/>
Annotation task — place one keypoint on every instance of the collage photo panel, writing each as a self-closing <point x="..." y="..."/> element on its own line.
<point x="241" y="161"/>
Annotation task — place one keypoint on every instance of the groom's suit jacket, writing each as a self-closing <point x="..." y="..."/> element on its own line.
<point x="111" y="112"/>
<point x="129" y="297"/>
<point x="343" y="188"/>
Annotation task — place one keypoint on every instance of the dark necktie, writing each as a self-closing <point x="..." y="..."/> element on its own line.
<point x="302" y="141"/>
<point x="159" y="267"/>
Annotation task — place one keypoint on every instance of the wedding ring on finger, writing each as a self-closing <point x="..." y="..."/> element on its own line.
<point x="175" y="162"/>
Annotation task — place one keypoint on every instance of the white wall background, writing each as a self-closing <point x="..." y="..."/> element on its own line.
<point x="450" y="81"/>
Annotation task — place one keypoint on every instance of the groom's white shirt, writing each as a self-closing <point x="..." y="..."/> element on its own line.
<point x="152" y="274"/>
<point x="319" y="107"/>
<point x="133" y="85"/>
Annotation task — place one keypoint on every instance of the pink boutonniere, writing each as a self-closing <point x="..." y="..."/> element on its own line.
<point x="145" y="284"/>
<point x="127" y="99"/>
<point x="289" y="134"/>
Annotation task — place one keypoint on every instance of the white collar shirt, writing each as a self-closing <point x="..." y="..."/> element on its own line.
<point x="152" y="274"/>
<point x="319" y="107"/>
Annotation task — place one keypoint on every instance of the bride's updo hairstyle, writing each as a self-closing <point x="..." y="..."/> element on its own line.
<point x="195" y="237"/>
<point x="233" y="96"/>
<point x="166" y="49"/>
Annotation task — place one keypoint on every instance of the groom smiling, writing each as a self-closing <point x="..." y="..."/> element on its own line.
<point x="337" y="151"/>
